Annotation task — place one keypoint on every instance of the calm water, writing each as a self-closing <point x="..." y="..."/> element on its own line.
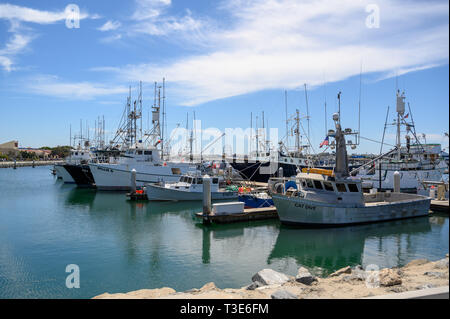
<point x="122" y="246"/>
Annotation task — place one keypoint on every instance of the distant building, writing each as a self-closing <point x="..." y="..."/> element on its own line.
<point x="11" y="147"/>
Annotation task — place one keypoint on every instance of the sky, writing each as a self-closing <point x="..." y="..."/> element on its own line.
<point x="223" y="60"/>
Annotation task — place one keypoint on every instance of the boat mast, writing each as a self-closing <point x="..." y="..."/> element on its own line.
<point x="341" y="169"/>
<point x="400" y="112"/>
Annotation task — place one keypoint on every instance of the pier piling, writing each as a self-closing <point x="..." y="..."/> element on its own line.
<point x="206" y="199"/>
<point x="133" y="181"/>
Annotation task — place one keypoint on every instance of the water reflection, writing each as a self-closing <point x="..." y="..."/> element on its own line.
<point x="334" y="248"/>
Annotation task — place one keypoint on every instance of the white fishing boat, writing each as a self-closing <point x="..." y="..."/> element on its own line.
<point x="333" y="198"/>
<point x="76" y="157"/>
<point x="189" y="187"/>
<point x="416" y="162"/>
<point x="148" y="165"/>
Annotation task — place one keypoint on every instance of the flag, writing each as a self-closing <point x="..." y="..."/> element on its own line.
<point x="406" y="116"/>
<point x="325" y="142"/>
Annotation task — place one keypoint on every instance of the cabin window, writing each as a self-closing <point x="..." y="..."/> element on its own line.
<point x="76" y="153"/>
<point x="215" y="180"/>
<point x="199" y="180"/>
<point x="147" y="152"/>
<point x="303" y="183"/>
<point x="328" y="186"/>
<point x="190" y="180"/>
<point x="139" y="152"/>
<point x="341" y="187"/>
<point x="176" y="171"/>
<point x="309" y="183"/>
<point x="318" y="185"/>
<point x="353" y="188"/>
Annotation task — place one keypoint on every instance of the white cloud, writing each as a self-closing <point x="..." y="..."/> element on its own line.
<point x="53" y="86"/>
<point x="16" y="45"/>
<point x="6" y="63"/>
<point x="151" y="18"/>
<point x="17" y="16"/>
<point x="150" y="9"/>
<point x="272" y="44"/>
<point x="110" y="26"/>
<point x="14" y="12"/>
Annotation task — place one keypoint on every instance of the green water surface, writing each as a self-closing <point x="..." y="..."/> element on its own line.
<point x="122" y="246"/>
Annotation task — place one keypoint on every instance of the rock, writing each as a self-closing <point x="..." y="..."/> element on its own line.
<point x="446" y="255"/>
<point x="441" y="264"/>
<point x="435" y="274"/>
<point x="345" y="270"/>
<point x="270" y="277"/>
<point x="283" y="294"/>
<point x="254" y="285"/>
<point x="426" y="286"/>
<point x="389" y="277"/>
<point x="417" y="262"/>
<point x="397" y="289"/>
<point x="305" y="277"/>
<point x="208" y="286"/>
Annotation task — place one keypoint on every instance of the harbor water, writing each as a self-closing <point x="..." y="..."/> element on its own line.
<point x="121" y="246"/>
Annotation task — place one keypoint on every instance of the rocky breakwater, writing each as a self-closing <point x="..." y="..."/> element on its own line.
<point x="348" y="282"/>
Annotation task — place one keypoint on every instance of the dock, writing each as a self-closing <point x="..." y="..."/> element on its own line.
<point x="28" y="163"/>
<point x="248" y="215"/>
<point x="439" y="205"/>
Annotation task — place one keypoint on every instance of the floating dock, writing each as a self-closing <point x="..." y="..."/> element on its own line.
<point x="248" y="215"/>
<point x="439" y="205"/>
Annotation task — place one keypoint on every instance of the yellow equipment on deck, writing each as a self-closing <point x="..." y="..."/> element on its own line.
<point x="327" y="172"/>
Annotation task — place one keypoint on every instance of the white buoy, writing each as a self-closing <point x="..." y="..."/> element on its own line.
<point x="396" y="182"/>
<point x="133" y="181"/>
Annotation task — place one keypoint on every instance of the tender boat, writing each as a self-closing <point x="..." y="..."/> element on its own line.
<point x="256" y="200"/>
<point x="332" y="198"/>
<point x="189" y="187"/>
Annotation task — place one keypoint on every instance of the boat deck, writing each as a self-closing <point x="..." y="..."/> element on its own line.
<point x="248" y="215"/>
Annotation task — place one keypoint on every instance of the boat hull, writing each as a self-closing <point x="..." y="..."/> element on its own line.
<point x="81" y="174"/>
<point x="62" y="173"/>
<point x="303" y="212"/>
<point x="118" y="177"/>
<point x="159" y="193"/>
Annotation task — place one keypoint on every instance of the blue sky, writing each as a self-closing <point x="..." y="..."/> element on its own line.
<point x="223" y="60"/>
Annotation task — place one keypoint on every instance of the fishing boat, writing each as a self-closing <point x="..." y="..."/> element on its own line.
<point x="77" y="157"/>
<point x="416" y="162"/>
<point x="188" y="188"/>
<point x="334" y="198"/>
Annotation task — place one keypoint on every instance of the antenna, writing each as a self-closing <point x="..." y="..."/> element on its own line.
<point x="307" y="111"/>
<point x="359" y="104"/>
<point x="286" y="107"/>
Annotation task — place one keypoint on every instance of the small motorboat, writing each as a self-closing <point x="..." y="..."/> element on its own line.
<point x="256" y="200"/>
<point x="189" y="187"/>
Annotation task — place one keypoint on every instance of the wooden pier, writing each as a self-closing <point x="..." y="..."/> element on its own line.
<point x="248" y="215"/>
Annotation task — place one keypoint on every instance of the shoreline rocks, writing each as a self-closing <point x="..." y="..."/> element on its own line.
<point x="346" y="282"/>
